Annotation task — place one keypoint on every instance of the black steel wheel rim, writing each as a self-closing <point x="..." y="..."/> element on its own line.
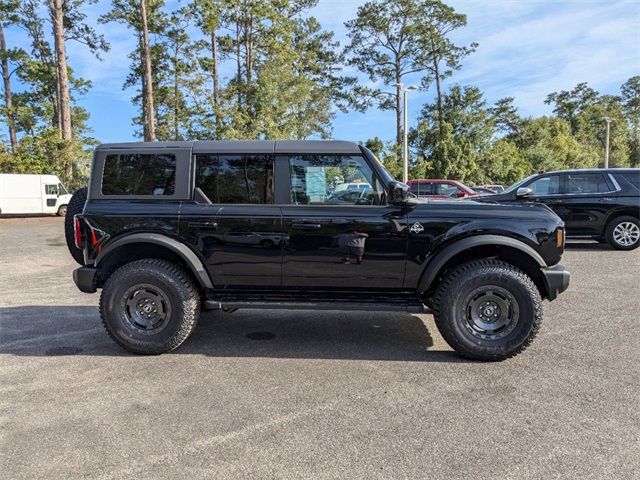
<point x="490" y="312"/>
<point x="146" y="308"/>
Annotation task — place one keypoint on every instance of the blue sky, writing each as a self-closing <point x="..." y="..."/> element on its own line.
<point x="527" y="49"/>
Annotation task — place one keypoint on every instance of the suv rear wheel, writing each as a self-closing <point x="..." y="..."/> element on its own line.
<point x="487" y="310"/>
<point x="623" y="233"/>
<point x="150" y="306"/>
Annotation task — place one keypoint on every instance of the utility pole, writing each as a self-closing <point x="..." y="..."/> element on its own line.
<point x="405" y="142"/>
<point x="606" y="143"/>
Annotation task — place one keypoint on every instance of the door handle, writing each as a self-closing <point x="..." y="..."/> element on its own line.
<point x="306" y="226"/>
<point x="203" y="224"/>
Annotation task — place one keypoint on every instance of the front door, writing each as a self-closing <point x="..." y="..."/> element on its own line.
<point x="239" y="233"/>
<point x="338" y="233"/>
<point x="49" y="197"/>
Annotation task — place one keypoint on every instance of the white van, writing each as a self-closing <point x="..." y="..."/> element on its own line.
<point x="22" y="194"/>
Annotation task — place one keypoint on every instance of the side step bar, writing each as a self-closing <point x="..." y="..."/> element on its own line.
<point x="310" y="305"/>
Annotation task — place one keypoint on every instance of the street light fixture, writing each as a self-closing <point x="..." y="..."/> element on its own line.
<point x="405" y="143"/>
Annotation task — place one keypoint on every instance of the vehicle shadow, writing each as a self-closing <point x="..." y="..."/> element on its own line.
<point x="586" y="246"/>
<point x="76" y="330"/>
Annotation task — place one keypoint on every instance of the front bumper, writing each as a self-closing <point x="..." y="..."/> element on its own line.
<point x="556" y="280"/>
<point x="85" y="279"/>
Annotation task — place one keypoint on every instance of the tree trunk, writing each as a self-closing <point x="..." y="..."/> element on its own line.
<point x="63" y="87"/>
<point x="436" y="69"/>
<point x="8" y="99"/>
<point x="214" y="75"/>
<point x="149" y="119"/>
<point x="63" y="75"/>
<point x="176" y="91"/>
<point x="238" y="65"/>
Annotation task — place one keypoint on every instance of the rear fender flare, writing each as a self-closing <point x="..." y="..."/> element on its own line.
<point x="435" y="265"/>
<point x="190" y="258"/>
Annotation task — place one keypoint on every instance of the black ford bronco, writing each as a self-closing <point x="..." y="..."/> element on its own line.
<point x="169" y="228"/>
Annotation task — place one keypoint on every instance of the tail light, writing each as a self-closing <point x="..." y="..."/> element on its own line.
<point x="78" y="234"/>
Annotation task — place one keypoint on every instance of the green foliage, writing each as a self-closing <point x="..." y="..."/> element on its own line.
<point x="284" y="78"/>
<point x="454" y="145"/>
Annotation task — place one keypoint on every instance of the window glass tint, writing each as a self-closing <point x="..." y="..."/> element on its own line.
<point x="628" y="177"/>
<point x="333" y="180"/>
<point x="235" y="179"/>
<point x="51" y="189"/>
<point x="586" y="183"/>
<point x="546" y="185"/>
<point x="139" y="174"/>
<point x="422" y="188"/>
<point x="447" y="189"/>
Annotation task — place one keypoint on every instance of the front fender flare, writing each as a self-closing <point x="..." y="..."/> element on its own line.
<point x="184" y="252"/>
<point x="435" y="265"/>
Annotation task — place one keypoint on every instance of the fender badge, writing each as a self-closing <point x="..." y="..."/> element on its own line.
<point x="416" y="228"/>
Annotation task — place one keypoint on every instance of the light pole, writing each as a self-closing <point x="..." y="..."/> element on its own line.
<point x="606" y="143"/>
<point x="405" y="143"/>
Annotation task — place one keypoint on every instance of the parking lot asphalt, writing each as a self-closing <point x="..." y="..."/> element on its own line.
<point x="331" y="395"/>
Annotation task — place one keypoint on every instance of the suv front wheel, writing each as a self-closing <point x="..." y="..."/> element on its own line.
<point x="150" y="306"/>
<point x="487" y="310"/>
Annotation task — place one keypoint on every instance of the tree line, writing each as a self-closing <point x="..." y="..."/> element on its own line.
<point x="257" y="69"/>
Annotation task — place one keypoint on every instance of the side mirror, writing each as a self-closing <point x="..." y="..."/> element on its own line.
<point x="460" y="194"/>
<point x="398" y="192"/>
<point x="523" y="192"/>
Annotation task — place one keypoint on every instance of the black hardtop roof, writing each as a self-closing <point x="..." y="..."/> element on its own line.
<point x="244" y="146"/>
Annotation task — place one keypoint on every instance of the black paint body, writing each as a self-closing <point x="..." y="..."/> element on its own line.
<point x="292" y="251"/>
<point x="585" y="215"/>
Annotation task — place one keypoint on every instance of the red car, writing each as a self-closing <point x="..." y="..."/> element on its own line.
<point x="440" y="188"/>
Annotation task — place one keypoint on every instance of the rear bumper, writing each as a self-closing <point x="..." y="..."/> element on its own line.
<point x="85" y="279"/>
<point x="556" y="280"/>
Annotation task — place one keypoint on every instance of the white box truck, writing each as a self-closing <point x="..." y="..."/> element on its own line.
<point x="22" y="194"/>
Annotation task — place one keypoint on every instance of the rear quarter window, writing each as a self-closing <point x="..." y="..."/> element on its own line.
<point x="139" y="174"/>
<point x="629" y="178"/>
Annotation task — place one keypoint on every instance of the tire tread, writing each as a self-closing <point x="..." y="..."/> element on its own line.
<point x="449" y="285"/>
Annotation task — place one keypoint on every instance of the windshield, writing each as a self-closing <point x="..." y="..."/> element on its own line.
<point x="62" y="190"/>
<point x="518" y="183"/>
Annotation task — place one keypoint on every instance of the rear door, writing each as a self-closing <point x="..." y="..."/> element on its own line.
<point x="239" y="234"/>
<point x="340" y="242"/>
<point x="587" y="201"/>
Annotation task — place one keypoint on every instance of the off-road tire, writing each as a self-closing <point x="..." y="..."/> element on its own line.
<point x="76" y="205"/>
<point x="611" y="227"/>
<point x="452" y="317"/>
<point x="179" y="290"/>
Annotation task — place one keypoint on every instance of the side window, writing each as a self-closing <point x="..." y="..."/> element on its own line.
<point x="586" y="183"/>
<point x="333" y="180"/>
<point x="235" y="179"/>
<point x="139" y="174"/>
<point x="632" y="178"/>
<point x="51" y="189"/>
<point x="423" y="188"/>
<point x="546" y="185"/>
<point x="447" y="189"/>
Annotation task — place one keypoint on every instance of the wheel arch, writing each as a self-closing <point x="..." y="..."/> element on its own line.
<point x="150" y="245"/>
<point x="508" y="249"/>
